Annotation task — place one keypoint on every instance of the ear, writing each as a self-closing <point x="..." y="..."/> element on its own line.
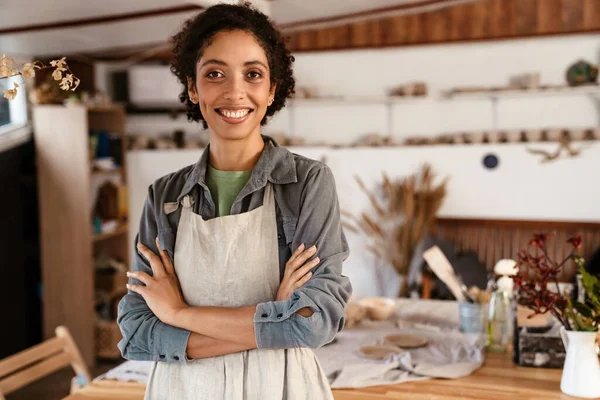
<point x="272" y="93"/>
<point x="192" y="91"/>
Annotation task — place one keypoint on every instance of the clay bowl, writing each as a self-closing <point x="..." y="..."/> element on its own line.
<point x="379" y="308"/>
<point x="354" y="314"/>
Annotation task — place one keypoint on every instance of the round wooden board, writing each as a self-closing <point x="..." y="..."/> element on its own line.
<point x="405" y="341"/>
<point x="379" y="351"/>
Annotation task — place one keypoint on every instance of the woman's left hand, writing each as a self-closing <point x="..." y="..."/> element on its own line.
<point x="162" y="291"/>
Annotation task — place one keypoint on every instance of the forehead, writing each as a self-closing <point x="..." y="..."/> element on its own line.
<point x="234" y="47"/>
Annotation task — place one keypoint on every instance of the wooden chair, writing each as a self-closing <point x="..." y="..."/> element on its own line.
<point x="29" y="365"/>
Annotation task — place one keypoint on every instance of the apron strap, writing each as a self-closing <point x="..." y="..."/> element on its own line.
<point x="171" y="207"/>
<point x="268" y="197"/>
<point x="187" y="201"/>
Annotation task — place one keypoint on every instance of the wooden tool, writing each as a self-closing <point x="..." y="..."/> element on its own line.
<point x="440" y="265"/>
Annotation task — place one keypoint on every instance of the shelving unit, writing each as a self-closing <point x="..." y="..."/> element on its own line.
<point x="550" y="91"/>
<point x="68" y="245"/>
<point x="494" y="96"/>
<point x="121" y="230"/>
<point x="387" y="101"/>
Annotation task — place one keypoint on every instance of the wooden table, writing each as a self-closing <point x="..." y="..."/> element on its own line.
<point x="498" y="378"/>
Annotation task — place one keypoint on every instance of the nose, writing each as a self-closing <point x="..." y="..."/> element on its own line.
<point x="236" y="89"/>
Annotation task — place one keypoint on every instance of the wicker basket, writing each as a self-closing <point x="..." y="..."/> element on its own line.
<point x="107" y="337"/>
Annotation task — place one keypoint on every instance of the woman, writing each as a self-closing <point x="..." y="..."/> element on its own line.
<point x="216" y="293"/>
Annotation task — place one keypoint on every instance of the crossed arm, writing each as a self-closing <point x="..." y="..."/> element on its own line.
<point x="215" y="330"/>
<point x="143" y="312"/>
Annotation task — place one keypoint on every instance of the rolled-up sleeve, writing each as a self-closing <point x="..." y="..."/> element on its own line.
<point x="145" y="337"/>
<point x="276" y="323"/>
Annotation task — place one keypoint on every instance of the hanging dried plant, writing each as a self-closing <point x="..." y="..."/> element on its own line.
<point x="403" y="212"/>
<point x="62" y="73"/>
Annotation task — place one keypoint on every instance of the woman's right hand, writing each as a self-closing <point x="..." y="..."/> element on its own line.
<point x="297" y="271"/>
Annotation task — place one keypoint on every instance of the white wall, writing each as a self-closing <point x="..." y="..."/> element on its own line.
<point x="372" y="72"/>
<point x="519" y="188"/>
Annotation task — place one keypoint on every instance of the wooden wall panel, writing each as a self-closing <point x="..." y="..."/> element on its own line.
<point x="502" y="18"/>
<point x="526" y="17"/>
<point x="591" y="14"/>
<point x="572" y="15"/>
<point x="471" y="21"/>
<point x="493" y="240"/>
<point x="478" y="20"/>
<point x="549" y="16"/>
<point x="479" y="24"/>
<point x="436" y="26"/>
<point x="459" y="20"/>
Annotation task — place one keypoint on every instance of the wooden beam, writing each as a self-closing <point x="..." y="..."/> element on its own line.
<point x="365" y="14"/>
<point x="467" y="22"/>
<point x="100" y="20"/>
<point x="472" y="21"/>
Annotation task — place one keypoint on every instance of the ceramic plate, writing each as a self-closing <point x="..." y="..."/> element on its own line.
<point x="407" y="341"/>
<point x="379" y="351"/>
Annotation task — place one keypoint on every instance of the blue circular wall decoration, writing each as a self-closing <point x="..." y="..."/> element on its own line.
<point x="490" y="161"/>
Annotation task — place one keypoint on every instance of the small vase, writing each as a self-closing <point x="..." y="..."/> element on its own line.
<point x="581" y="371"/>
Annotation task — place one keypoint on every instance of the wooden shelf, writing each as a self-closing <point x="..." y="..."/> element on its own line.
<point x="549" y="91"/>
<point x="99" y="172"/>
<point x="121" y="230"/>
<point x="357" y="100"/>
<point x="111" y="108"/>
<point x="175" y="109"/>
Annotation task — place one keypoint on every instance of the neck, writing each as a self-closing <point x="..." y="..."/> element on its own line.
<point x="235" y="155"/>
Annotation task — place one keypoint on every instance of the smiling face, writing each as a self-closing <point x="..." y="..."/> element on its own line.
<point x="233" y="86"/>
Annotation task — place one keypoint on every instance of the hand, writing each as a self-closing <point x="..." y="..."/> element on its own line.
<point x="161" y="292"/>
<point x="297" y="271"/>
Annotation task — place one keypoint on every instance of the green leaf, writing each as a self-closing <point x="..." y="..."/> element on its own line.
<point x="580" y="321"/>
<point x="591" y="284"/>
<point x="583" y="309"/>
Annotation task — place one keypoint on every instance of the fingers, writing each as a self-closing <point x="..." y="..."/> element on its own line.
<point x="155" y="262"/>
<point x="305" y="269"/>
<point x="140" y="276"/>
<point x="297" y="252"/>
<point x="300" y="259"/>
<point x="302" y="281"/>
<point x="139" y="289"/>
<point x="166" y="260"/>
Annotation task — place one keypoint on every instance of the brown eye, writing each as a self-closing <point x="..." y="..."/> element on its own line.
<point x="214" y="74"/>
<point x="254" y="75"/>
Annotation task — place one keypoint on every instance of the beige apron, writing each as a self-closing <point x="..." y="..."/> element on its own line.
<point x="232" y="261"/>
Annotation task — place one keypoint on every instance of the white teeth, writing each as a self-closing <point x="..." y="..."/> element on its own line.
<point x="235" y="114"/>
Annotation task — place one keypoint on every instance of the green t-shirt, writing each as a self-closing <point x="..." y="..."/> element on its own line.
<point x="224" y="187"/>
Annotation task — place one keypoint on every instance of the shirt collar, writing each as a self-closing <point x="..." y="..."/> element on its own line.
<point x="276" y="165"/>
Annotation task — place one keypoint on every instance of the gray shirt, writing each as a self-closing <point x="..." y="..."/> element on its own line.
<point x="307" y="212"/>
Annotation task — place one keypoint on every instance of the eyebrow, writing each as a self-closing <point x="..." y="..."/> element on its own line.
<point x="221" y="62"/>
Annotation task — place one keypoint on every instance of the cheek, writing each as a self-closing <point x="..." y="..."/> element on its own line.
<point x="261" y="92"/>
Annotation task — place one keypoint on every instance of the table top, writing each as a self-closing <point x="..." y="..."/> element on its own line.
<point x="497" y="378"/>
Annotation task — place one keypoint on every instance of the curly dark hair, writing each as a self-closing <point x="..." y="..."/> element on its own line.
<point x="197" y="34"/>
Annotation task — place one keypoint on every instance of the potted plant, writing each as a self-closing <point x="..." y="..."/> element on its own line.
<point x="580" y="320"/>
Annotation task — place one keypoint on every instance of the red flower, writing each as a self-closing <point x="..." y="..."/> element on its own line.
<point x="539" y="273"/>
<point x="539" y="240"/>
<point x="575" y="241"/>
